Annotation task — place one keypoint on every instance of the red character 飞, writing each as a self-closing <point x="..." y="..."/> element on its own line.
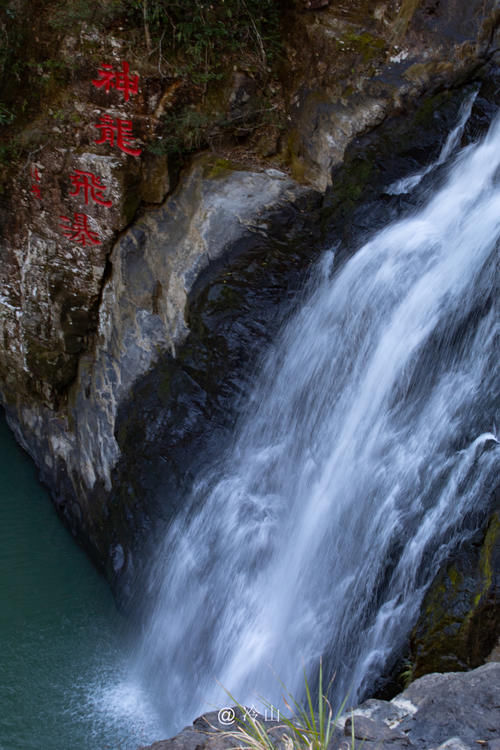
<point x="89" y="184"/>
<point x="122" y="130"/>
<point x="119" y="80"/>
<point x="78" y="230"/>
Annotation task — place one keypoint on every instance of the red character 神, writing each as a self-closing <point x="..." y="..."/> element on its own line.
<point x="119" y="80"/>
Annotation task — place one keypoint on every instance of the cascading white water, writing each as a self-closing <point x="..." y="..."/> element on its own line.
<point x="366" y="444"/>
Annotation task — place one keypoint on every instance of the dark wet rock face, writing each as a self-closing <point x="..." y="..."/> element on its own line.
<point x="455" y="711"/>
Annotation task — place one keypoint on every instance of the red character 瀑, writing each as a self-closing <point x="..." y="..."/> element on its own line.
<point x="119" y="80"/>
<point x="89" y="184"/>
<point x="78" y="230"/>
<point x="122" y="130"/>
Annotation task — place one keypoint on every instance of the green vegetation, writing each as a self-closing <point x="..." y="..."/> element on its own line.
<point x="10" y="150"/>
<point x="199" y="34"/>
<point x="191" y="128"/>
<point x="6" y="116"/>
<point x="31" y="77"/>
<point x="67" y="15"/>
<point x="201" y="42"/>
<point x="408" y="674"/>
<point x="369" y="47"/>
<point x="204" y="33"/>
<point x="184" y="131"/>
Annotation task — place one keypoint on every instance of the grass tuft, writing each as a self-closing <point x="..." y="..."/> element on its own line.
<point x="309" y="727"/>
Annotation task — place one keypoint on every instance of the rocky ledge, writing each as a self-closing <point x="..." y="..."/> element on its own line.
<point x="453" y="711"/>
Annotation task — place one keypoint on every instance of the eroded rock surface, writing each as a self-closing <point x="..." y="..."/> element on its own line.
<point x="359" y="62"/>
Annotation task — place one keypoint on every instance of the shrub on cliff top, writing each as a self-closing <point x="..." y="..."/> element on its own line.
<point x="205" y="32"/>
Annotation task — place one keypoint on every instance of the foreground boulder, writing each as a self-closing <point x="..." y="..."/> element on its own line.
<point x="454" y="710"/>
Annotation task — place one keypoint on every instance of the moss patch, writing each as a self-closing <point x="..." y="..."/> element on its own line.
<point x="367" y="46"/>
<point x="218" y="168"/>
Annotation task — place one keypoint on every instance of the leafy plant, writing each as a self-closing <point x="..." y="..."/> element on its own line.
<point x="183" y="132"/>
<point x="406" y="676"/>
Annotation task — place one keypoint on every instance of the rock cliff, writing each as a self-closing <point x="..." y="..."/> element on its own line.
<point x="135" y="291"/>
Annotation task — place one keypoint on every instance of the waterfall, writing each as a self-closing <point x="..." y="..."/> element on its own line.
<point x="406" y="184"/>
<point x="365" y="453"/>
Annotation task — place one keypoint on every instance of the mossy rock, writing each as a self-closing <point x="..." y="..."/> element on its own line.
<point x="215" y="168"/>
<point x="460" y="620"/>
<point x="368" y="47"/>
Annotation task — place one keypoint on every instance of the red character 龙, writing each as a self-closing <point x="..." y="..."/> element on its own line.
<point x="121" y="130"/>
<point x="78" y="230"/>
<point x="119" y="80"/>
<point x="90" y="185"/>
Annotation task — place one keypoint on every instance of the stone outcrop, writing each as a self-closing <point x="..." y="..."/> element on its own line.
<point x="218" y="213"/>
<point x="454" y="711"/>
<point x="361" y="62"/>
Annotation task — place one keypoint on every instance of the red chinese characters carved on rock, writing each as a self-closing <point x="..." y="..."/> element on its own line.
<point x="35" y="188"/>
<point x="78" y="230"/>
<point x="119" y="80"/>
<point x="90" y="185"/>
<point x="121" y="130"/>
